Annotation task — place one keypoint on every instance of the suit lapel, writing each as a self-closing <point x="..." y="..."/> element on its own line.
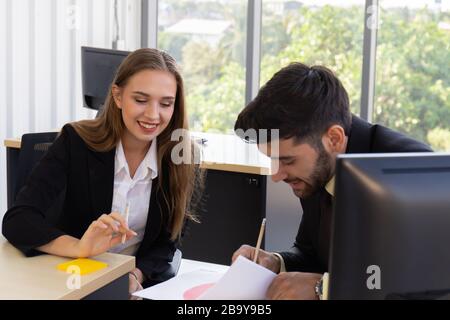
<point x="155" y="212"/>
<point x="101" y="180"/>
<point x="155" y="217"/>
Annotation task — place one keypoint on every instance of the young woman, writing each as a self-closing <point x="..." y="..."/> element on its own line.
<point x="121" y="159"/>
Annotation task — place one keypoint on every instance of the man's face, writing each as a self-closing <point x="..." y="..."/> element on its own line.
<point x="304" y="167"/>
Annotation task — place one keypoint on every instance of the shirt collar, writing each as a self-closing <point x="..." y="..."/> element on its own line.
<point x="150" y="161"/>
<point x="330" y="186"/>
<point x="120" y="162"/>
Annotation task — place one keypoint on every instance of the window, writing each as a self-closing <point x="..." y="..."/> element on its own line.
<point x="208" y="40"/>
<point x="412" y="92"/>
<point x="315" y="32"/>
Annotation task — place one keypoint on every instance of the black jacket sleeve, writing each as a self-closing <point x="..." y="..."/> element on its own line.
<point x="24" y="224"/>
<point x="302" y="256"/>
<point x="155" y="260"/>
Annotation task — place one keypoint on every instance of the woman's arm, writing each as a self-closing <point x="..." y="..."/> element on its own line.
<point x="25" y="224"/>
<point x="65" y="246"/>
<point x="102" y="234"/>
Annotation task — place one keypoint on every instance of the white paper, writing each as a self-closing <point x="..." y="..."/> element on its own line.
<point x="179" y="287"/>
<point x="245" y="280"/>
<point x="188" y="265"/>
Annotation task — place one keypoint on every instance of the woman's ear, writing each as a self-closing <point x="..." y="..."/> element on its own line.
<point x="116" y="93"/>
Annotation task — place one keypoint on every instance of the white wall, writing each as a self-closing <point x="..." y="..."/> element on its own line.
<point x="40" y="73"/>
<point x="283" y="213"/>
<point x="3" y="99"/>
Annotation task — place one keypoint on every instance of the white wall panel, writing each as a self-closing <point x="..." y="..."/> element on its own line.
<point x="20" y="67"/>
<point x="3" y="99"/>
<point x="43" y="64"/>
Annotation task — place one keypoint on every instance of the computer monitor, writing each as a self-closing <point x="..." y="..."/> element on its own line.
<point x="99" y="67"/>
<point x="391" y="227"/>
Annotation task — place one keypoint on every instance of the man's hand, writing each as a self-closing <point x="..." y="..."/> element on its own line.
<point x="265" y="259"/>
<point x="293" y="286"/>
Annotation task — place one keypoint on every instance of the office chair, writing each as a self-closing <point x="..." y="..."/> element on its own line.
<point x="33" y="148"/>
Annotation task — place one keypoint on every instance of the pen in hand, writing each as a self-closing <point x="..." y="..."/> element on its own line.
<point x="260" y="237"/>
<point x="127" y="209"/>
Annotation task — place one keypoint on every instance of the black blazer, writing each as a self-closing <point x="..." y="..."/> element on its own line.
<point x="88" y="179"/>
<point x="311" y="247"/>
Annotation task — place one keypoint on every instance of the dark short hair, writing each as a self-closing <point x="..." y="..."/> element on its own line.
<point x="301" y="101"/>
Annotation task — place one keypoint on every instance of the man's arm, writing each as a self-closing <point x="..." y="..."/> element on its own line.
<point x="303" y="255"/>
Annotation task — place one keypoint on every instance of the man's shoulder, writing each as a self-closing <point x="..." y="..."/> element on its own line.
<point x="388" y="140"/>
<point x="376" y="138"/>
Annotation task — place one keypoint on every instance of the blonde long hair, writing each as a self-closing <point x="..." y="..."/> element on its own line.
<point x="102" y="134"/>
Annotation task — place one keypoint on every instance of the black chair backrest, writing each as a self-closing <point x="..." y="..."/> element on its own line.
<point x="33" y="148"/>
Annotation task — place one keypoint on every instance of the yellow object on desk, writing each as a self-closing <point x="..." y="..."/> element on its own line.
<point x="81" y="266"/>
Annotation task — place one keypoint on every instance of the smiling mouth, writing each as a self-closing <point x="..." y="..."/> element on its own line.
<point x="295" y="183"/>
<point x="147" y="125"/>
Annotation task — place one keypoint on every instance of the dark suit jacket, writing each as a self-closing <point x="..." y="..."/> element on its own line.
<point x="87" y="178"/>
<point x="311" y="247"/>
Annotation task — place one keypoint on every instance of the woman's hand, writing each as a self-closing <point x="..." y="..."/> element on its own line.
<point x="103" y="234"/>
<point x="136" y="277"/>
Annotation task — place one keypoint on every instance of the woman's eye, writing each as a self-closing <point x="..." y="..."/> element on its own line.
<point x="140" y="101"/>
<point x="166" y="104"/>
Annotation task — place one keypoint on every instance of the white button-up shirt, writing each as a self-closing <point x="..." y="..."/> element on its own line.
<point x="136" y="191"/>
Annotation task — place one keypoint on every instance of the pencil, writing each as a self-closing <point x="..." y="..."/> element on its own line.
<point x="127" y="209"/>
<point x="260" y="237"/>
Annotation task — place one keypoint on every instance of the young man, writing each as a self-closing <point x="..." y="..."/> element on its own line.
<point x="310" y="107"/>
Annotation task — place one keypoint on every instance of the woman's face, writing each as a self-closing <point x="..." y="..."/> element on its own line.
<point x="147" y="103"/>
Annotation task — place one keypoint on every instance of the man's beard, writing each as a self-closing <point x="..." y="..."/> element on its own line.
<point x="323" y="172"/>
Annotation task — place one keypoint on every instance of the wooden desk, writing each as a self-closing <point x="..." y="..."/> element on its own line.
<point x="37" y="277"/>
<point x="230" y="153"/>
<point x="12" y="143"/>
<point x="220" y="152"/>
